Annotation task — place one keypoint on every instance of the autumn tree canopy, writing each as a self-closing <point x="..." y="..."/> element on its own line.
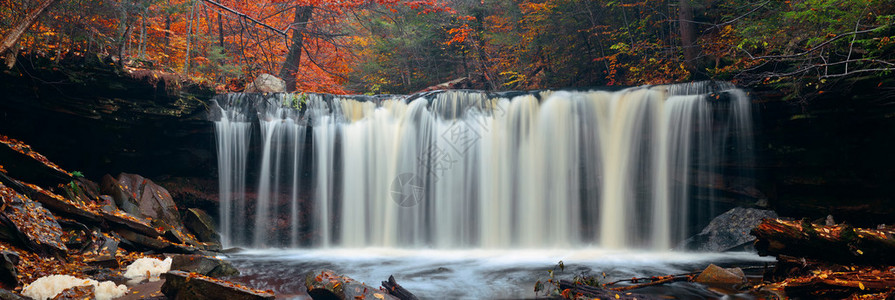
<point x="403" y="46"/>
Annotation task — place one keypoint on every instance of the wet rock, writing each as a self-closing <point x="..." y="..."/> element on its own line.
<point x="182" y="285"/>
<point x="107" y="203"/>
<point x="52" y="201"/>
<point x="8" y="274"/>
<point x="82" y="189"/>
<point x="266" y="83"/>
<point x="75" y="235"/>
<point x="205" y="265"/>
<point x="106" y="274"/>
<point x="142" y="198"/>
<point x="26" y="164"/>
<point x="193" y="192"/>
<point x="325" y="283"/>
<point x="29" y="223"/>
<point x="76" y="293"/>
<point x="8" y="295"/>
<point x="715" y="275"/>
<point x="150" y="290"/>
<point x="130" y="222"/>
<point x="102" y="250"/>
<point x="200" y="224"/>
<point x="140" y="242"/>
<point x="728" y="231"/>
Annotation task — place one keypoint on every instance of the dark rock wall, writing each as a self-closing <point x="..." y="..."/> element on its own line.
<point x="832" y="154"/>
<point x="96" y="120"/>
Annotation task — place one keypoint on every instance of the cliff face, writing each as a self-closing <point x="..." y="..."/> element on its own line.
<point x="834" y="154"/>
<point x="92" y="118"/>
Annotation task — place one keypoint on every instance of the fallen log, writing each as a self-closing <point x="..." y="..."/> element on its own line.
<point x="395" y="289"/>
<point x="841" y="244"/>
<point x="849" y="283"/>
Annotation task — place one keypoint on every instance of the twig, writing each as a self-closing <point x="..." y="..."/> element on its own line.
<point x="815" y="48"/>
<point x="664" y="280"/>
<point x="242" y="15"/>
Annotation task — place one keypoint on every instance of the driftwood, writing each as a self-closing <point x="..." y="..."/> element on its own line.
<point x="570" y="289"/>
<point x="658" y="281"/>
<point x="841" y="244"/>
<point x="395" y="289"/>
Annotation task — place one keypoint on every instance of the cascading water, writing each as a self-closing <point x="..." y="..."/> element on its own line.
<point x="467" y="169"/>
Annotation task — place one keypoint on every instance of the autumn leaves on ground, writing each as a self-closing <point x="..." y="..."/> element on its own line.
<point x="98" y="230"/>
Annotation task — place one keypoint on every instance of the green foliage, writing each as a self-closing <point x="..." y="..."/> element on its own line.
<point x="297" y="101"/>
<point x="218" y="64"/>
<point x="77" y="174"/>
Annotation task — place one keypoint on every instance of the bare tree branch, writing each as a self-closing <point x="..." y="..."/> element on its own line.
<point x="244" y="16"/>
<point x="815" y="48"/>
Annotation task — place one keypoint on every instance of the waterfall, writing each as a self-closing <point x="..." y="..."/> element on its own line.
<point x="470" y="169"/>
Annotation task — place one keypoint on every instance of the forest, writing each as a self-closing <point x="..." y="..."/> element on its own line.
<point x="468" y="149"/>
<point x="404" y="46"/>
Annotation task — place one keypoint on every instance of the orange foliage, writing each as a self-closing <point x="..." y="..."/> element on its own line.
<point x="205" y="42"/>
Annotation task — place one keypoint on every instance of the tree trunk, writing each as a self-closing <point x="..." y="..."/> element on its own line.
<point x="221" y="31"/>
<point x="189" y="38"/>
<point x="167" y="32"/>
<point x="293" y="59"/>
<point x="841" y="244"/>
<point x="12" y="37"/>
<point x="688" y="35"/>
<point x="142" y="47"/>
<point x="124" y="40"/>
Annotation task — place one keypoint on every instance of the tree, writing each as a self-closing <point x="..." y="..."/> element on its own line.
<point x="293" y="59"/>
<point x="688" y="34"/>
<point x="11" y="38"/>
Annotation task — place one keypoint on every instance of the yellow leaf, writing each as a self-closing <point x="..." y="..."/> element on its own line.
<point x="617" y="296"/>
<point x="861" y="285"/>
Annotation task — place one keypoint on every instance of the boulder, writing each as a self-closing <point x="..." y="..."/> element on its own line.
<point x="715" y="275"/>
<point x="142" y="198"/>
<point x="181" y="285"/>
<point x="266" y="83"/>
<point x="8" y="274"/>
<point x="30" y="224"/>
<point x="729" y="230"/>
<point x="205" y="265"/>
<point x="324" y="284"/>
<point x="199" y="223"/>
